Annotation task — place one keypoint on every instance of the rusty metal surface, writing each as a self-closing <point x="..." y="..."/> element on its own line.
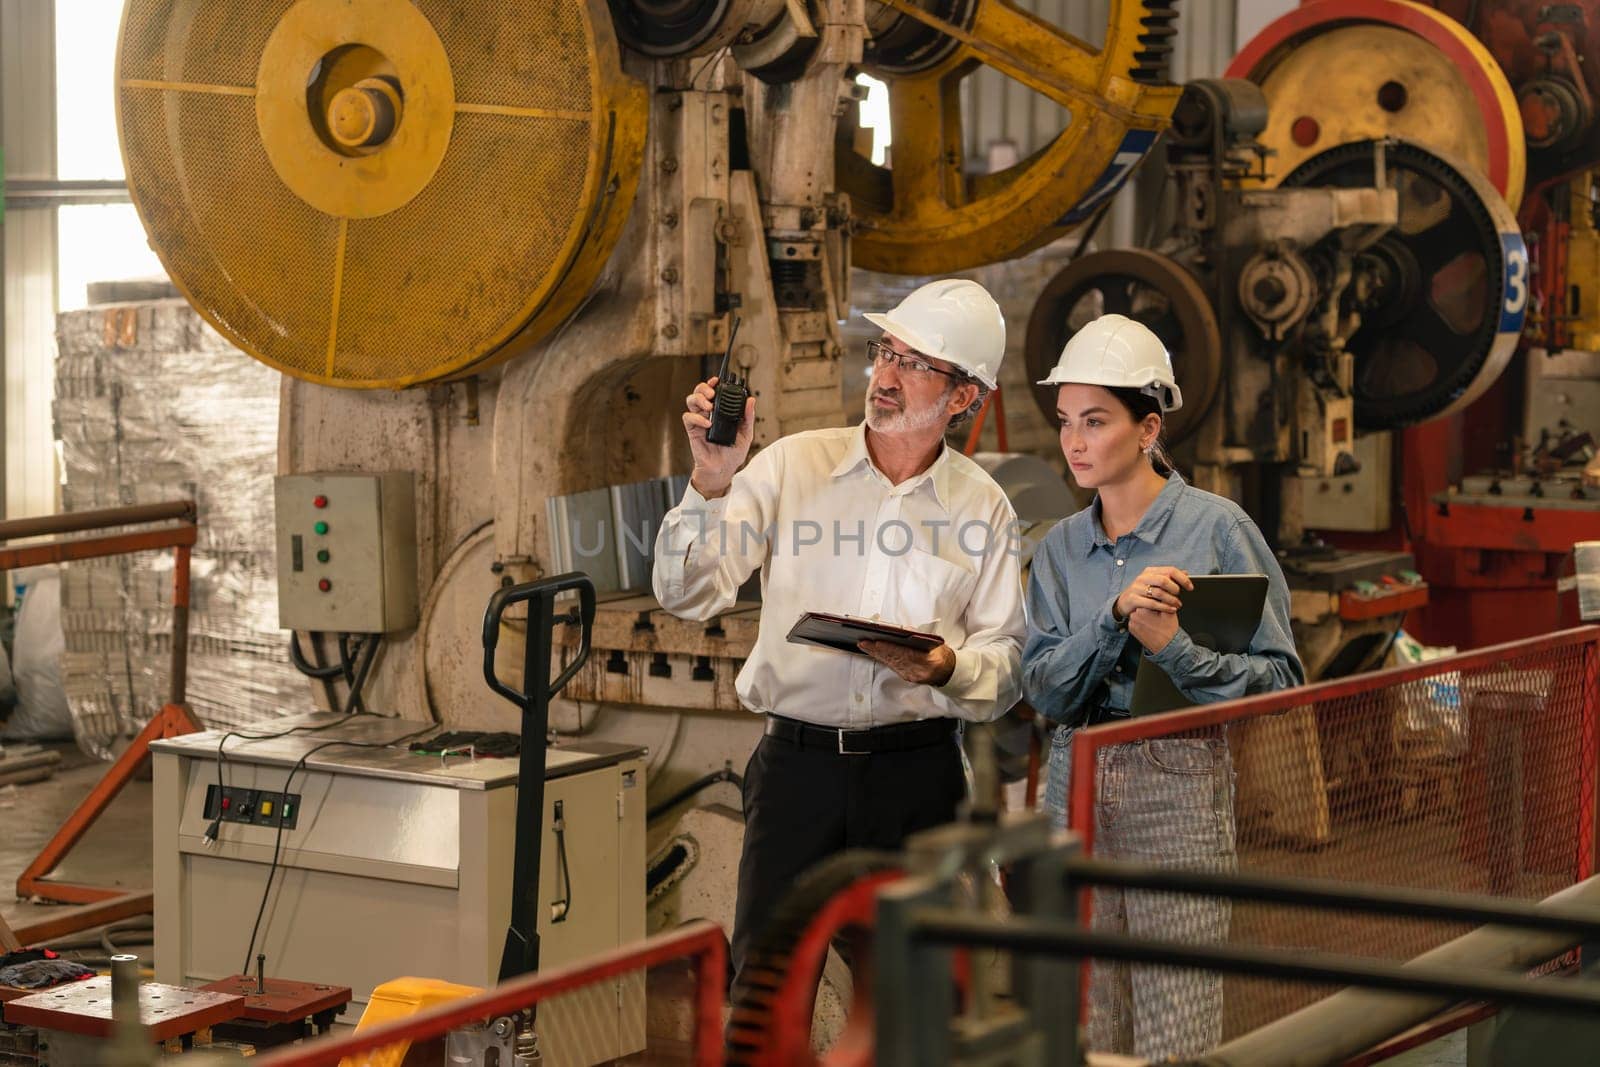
<point x="284" y="1001"/>
<point x="85" y="1008"/>
<point x="59" y="922"/>
<point x="102" y="519"/>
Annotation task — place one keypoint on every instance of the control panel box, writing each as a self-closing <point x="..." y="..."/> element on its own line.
<point x="347" y="552"/>
<point x="258" y="807"/>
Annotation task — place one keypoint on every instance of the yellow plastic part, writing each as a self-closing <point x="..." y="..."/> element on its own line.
<point x="398" y="999"/>
<point x="922" y="215"/>
<point x="379" y="193"/>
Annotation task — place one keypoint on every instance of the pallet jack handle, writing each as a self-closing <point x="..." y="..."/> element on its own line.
<point x="521" y="954"/>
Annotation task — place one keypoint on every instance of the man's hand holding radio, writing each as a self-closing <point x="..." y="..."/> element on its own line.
<point x="715" y="465"/>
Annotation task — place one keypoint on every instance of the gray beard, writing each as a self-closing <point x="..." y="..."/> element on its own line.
<point x="905" y="420"/>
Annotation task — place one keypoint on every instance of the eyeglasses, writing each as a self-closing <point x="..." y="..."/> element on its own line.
<point x="880" y="354"/>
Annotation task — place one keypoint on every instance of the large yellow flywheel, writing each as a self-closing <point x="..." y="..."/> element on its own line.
<point x="922" y="214"/>
<point x="379" y="193"/>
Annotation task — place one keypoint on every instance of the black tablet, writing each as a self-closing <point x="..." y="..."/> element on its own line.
<point x="841" y="632"/>
<point x="1222" y="613"/>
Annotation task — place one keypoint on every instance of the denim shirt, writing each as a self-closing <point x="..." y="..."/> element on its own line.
<point x="1077" y="659"/>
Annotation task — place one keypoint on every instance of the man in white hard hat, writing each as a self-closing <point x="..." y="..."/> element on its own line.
<point x="881" y="521"/>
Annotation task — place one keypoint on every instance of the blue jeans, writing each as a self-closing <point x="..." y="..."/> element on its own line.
<point x="1167" y="801"/>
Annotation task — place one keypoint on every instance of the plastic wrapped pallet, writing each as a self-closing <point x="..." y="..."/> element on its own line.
<point x="153" y="405"/>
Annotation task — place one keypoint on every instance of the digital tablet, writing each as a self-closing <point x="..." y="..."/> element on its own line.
<point x="841" y="632"/>
<point x="1222" y="613"/>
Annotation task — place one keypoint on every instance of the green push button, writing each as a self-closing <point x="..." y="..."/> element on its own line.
<point x="322" y="555"/>
<point x="321" y="527"/>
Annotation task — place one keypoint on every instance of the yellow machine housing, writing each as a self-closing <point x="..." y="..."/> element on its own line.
<point x="379" y="193"/>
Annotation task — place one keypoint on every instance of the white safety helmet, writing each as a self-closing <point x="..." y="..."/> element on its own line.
<point x="1119" y="353"/>
<point x="955" y="320"/>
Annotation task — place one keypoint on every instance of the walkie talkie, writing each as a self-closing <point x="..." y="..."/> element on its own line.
<point x="727" y="410"/>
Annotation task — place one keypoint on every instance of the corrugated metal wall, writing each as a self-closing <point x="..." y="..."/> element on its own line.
<point x="999" y="109"/>
<point x="28" y="132"/>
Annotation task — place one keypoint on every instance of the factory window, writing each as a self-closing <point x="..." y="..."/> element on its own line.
<point x="96" y="242"/>
<point x="100" y="242"/>
<point x="875" y="115"/>
<point x="86" y="113"/>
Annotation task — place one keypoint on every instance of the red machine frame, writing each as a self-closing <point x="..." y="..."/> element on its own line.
<point x="102" y="904"/>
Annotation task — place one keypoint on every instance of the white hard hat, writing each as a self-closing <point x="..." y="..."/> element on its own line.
<point x="955" y="320"/>
<point x="1119" y="353"/>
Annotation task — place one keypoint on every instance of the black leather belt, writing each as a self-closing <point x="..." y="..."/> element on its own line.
<point x="897" y="737"/>
<point x="1100" y="714"/>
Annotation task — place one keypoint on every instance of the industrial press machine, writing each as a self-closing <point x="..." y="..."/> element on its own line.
<point x="489" y="246"/>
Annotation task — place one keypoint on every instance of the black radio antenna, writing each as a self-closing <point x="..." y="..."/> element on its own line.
<point x="722" y="373"/>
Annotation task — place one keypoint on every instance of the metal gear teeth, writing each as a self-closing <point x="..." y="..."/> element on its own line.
<point x="1152" y="63"/>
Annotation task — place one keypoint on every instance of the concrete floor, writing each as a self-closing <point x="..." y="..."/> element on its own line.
<point x="115" y="851"/>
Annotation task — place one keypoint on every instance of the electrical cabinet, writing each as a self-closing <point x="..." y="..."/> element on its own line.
<point x="347" y="552"/>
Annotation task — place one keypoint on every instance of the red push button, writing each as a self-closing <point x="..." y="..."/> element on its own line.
<point x="324" y="585"/>
<point x="320" y="502"/>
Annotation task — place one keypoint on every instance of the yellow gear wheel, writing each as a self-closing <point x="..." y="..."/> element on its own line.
<point x="922" y="214"/>
<point x="379" y="193"/>
<point x="1339" y="71"/>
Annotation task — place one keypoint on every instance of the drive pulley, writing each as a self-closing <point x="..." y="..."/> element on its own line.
<point x="1150" y="289"/>
<point x="1338" y="71"/>
<point x="1445" y="290"/>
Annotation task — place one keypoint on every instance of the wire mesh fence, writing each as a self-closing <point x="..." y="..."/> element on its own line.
<point x="658" y="1003"/>
<point x="1470" y="774"/>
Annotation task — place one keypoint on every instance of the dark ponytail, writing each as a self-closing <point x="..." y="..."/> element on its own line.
<point x="1140" y="404"/>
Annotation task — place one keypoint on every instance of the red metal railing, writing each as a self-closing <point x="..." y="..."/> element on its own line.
<point x="1476" y="772"/>
<point x="700" y="940"/>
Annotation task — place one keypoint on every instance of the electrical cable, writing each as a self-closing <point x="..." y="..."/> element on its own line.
<point x="277" y="843"/>
<point x="727" y="774"/>
<point x="141" y="925"/>
<point x="661" y="753"/>
<point x="329" y="691"/>
<point x="353" y="666"/>
<point x="346" y="659"/>
<point x="1086" y="235"/>
<point x="298" y="659"/>
<point x="560" y="908"/>
<point x="715" y="56"/>
<point x="368" y="652"/>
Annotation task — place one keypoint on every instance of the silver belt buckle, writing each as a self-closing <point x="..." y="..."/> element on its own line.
<point x="851" y="751"/>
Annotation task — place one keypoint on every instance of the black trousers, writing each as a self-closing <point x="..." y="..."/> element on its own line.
<point x="804" y="804"/>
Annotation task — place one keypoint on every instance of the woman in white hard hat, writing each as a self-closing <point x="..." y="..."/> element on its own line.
<point x="1104" y="592"/>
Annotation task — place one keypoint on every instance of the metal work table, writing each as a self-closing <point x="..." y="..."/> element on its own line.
<point x="394" y="863"/>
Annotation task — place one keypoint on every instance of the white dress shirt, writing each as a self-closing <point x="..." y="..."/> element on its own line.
<point x="939" y="552"/>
